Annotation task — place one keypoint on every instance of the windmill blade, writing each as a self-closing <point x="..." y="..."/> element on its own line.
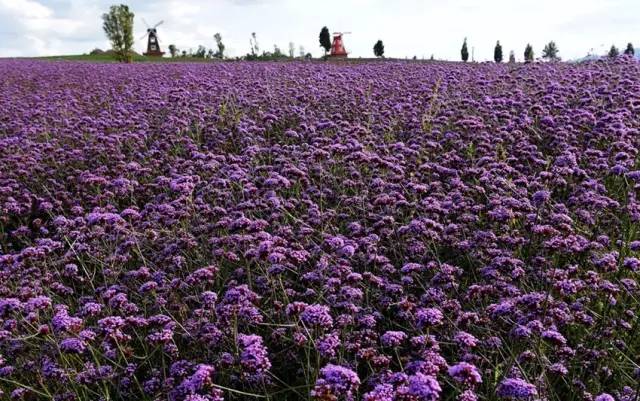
<point x="145" y="22"/>
<point x="158" y="24"/>
<point x="143" y="36"/>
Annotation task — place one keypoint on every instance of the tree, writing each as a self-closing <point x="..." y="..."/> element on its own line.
<point x="497" y="53"/>
<point x="528" y="54"/>
<point x="118" y="26"/>
<point x="629" y="51"/>
<point x="301" y="51"/>
<point x="277" y="52"/>
<point x="201" y="52"/>
<point x="218" y="38"/>
<point x="550" y="51"/>
<point x="255" y="49"/>
<point x="173" y="50"/>
<point x="464" y="52"/>
<point x="512" y="57"/>
<point x="292" y="50"/>
<point x="613" y="52"/>
<point x="378" y="49"/>
<point x="325" y="39"/>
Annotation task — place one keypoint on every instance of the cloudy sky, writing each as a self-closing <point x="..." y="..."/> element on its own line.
<point x="407" y="27"/>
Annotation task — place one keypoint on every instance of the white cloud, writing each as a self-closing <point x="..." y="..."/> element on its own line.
<point x="408" y="27"/>
<point x="25" y="9"/>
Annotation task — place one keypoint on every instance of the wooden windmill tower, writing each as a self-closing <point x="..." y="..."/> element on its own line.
<point x="153" y="44"/>
<point x="337" y="47"/>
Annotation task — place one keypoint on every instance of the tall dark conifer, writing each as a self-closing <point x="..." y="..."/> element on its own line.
<point x="464" y="52"/>
<point x="497" y="53"/>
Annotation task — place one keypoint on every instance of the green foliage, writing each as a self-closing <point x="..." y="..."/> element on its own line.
<point x="277" y="53"/>
<point x="325" y="39"/>
<point x="550" y="52"/>
<point x="629" y="51"/>
<point x="220" y="53"/>
<point x="528" y="54"/>
<point x="497" y="53"/>
<point x="613" y="52"/>
<point x="378" y="49"/>
<point x="173" y="50"/>
<point x="255" y="49"/>
<point x="118" y="26"/>
<point x="201" y="52"/>
<point x="464" y="52"/>
<point x="110" y="57"/>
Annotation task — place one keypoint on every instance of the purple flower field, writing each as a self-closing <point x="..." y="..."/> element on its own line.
<point x="314" y="231"/>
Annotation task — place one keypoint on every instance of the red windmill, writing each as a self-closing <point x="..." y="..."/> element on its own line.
<point x="337" y="47"/>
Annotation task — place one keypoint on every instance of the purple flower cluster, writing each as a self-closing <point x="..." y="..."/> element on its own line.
<point x="516" y="389"/>
<point x="397" y="231"/>
<point x="465" y="372"/>
<point x="336" y="383"/>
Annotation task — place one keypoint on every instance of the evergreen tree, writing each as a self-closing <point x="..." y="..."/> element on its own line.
<point x="629" y="51"/>
<point x="512" y="57"/>
<point x="464" y="52"/>
<point x="613" y="52"/>
<point x="118" y="26"/>
<point x="528" y="54"/>
<point x="325" y="39"/>
<point x="550" y="52"/>
<point x="378" y="49"/>
<point x="497" y="53"/>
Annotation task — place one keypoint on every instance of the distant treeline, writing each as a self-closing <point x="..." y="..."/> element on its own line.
<point x="255" y="54"/>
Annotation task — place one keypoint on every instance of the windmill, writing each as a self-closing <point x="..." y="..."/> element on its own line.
<point x="337" y="47"/>
<point x="153" y="45"/>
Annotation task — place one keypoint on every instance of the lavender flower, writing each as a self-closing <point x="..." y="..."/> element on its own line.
<point x="429" y="317"/>
<point x="421" y="387"/>
<point x="254" y="357"/>
<point x="466" y="373"/>
<point x="337" y="383"/>
<point x="516" y="389"/>
<point x="317" y="316"/>
<point x="73" y="345"/>
<point x="393" y="338"/>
